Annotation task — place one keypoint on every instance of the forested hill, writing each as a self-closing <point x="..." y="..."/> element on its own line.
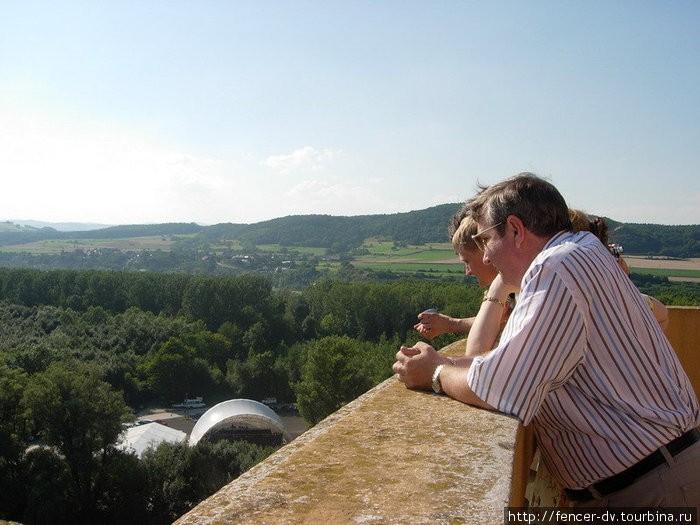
<point x="325" y="231"/>
<point x="656" y="239"/>
<point x="341" y="233"/>
<point x="322" y="231"/>
<point x="430" y="225"/>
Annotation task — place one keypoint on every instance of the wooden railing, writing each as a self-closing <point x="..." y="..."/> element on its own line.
<point x="396" y="456"/>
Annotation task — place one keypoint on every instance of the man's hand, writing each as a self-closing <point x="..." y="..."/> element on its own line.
<point x="415" y="365"/>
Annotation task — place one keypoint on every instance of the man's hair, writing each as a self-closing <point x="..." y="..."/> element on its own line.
<point x="462" y="237"/>
<point x="535" y="201"/>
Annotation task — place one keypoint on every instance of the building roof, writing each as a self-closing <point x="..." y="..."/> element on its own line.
<point x="138" y="438"/>
<point x="239" y="414"/>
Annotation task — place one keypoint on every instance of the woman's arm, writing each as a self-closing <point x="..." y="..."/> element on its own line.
<point x="434" y="324"/>
<point x="490" y="319"/>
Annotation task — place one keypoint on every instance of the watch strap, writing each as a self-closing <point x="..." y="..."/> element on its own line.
<point x="437" y="387"/>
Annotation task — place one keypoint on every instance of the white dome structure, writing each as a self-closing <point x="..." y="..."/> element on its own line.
<point x="239" y="419"/>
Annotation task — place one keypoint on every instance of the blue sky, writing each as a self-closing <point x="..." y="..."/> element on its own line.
<point x="128" y="112"/>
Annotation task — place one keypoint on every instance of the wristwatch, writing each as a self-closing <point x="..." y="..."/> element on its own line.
<point x="437" y="388"/>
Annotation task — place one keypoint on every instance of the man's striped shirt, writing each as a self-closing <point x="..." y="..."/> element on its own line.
<point x="583" y="358"/>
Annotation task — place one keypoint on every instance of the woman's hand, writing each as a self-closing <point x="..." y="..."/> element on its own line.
<point x="433" y="324"/>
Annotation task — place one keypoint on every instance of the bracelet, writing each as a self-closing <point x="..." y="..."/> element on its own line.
<point x="452" y="360"/>
<point x="494" y="300"/>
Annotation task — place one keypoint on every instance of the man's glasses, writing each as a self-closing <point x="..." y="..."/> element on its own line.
<point x="481" y="243"/>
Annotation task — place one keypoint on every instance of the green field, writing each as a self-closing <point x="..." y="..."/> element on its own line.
<point x="417" y="267"/>
<point x="437" y="269"/>
<point x="55" y="246"/>
<point x="667" y="272"/>
<point x="434" y="260"/>
<point x="306" y="250"/>
<point x="440" y="259"/>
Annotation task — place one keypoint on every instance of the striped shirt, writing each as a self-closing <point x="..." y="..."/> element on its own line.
<point x="584" y="360"/>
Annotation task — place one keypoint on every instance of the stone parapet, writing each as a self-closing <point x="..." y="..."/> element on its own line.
<point x="392" y="456"/>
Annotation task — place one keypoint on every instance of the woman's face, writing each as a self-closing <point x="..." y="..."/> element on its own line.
<point x="474" y="265"/>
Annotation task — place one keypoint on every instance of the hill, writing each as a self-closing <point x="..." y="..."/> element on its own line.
<point x="60" y="226"/>
<point x="14" y="233"/>
<point x="328" y="231"/>
<point x="430" y="226"/>
<point x="657" y="239"/>
<point x="344" y="233"/>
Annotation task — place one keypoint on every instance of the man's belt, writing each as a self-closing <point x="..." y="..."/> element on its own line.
<point x="627" y="477"/>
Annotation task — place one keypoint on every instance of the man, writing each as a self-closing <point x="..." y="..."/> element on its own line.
<point x="581" y="358"/>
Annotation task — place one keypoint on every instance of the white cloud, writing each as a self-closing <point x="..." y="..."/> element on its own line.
<point x="303" y="158"/>
<point x="59" y="170"/>
<point x="335" y="198"/>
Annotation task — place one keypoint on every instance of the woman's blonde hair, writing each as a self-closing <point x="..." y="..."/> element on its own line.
<point x="462" y="237"/>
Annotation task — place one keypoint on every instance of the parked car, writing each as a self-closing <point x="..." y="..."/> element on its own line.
<point x="195" y="402"/>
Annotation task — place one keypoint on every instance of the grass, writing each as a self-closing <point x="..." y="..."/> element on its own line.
<point x="388" y="249"/>
<point x="306" y="250"/>
<point x="667" y="272"/>
<point x="434" y="259"/>
<point x="411" y="269"/>
<point x="422" y="255"/>
<point x="56" y="246"/>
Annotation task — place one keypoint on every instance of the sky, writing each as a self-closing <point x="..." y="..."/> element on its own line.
<point x="211" y="111"/>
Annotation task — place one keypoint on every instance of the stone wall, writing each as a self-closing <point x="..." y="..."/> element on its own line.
<point x="392" y="456"/>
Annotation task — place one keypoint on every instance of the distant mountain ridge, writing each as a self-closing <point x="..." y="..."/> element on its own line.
<point x="60" y="226"/>
<point x="342" y="233"/>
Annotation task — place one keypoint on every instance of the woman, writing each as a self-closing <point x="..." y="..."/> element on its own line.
<point x="495" y="313"/>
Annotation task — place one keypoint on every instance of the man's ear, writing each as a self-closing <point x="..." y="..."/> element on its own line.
<point x="517" y="230"/>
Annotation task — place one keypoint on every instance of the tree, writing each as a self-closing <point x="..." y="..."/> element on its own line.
<point x="258" y="377"/>
<point x="332" y="376"/>
<point x="74" y="411"/>
<point x="215" y="348"/>
<point x="181" y="476"/>
<point x="174" y="371"/>
<point x="13" y="438"/>
<point x="47" y="498"/>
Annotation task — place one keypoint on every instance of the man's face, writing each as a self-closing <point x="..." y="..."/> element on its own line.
<point x="498" y="251"/>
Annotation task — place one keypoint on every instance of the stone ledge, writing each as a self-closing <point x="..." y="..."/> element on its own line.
<point x="392" y="456"/>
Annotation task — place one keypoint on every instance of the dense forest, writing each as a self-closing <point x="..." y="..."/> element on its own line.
<point x="81" y="351"/>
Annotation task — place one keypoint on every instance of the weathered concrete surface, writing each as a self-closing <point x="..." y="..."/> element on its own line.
<point x="392" y="456"/>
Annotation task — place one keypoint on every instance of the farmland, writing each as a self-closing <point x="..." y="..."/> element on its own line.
<point x="674" y="269"/>
<point x="439" y="259"/>
<point x="436" y="260"/>
<point x="55" y="246"/>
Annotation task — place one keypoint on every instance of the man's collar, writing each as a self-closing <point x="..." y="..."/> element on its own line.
<point x="557" y="238"/>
